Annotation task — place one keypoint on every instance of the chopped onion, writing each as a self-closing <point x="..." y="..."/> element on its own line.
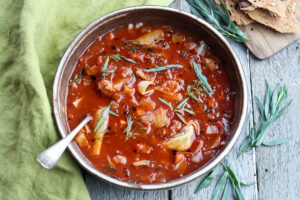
<point x="212" y="129"/>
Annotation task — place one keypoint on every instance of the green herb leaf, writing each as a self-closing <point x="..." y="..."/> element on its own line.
<point x="277" y="142"/>
<point x="128" y="128"/>
<point x="119" y="57"/>
<point x="269" y="112"/>
<point x="111" y="112"/>
<point x="102" y="118"/>
<point x="208" y="179"/>
<point x="189" y="111"/>
<point x="180" y="117"/>
<point x="218" y="189"/>
<point x="182" y="103"/>
<point x="77" y="78"/>
<point x="165" y="102"/>
<point x="104" y="67"/>
<point x="109" y="169"/>
<point x="135" y="46"/>
<point x="218" y="18"/>
<point x="203" y="79"/>
<point x="193" y="92"/>
<point x="226" y="190"/>
<point x="157" y="69"/>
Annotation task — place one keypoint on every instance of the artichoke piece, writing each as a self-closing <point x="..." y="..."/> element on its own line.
<point x="142" y="87"/>
<point x="183" y="140"/>
<point x="161" y="119"/>
<point x="152" y="37"/>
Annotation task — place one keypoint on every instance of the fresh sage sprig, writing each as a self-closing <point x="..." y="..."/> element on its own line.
<point x="218" y="17"/>
<point x="269" y="112"/>
<point x="157" y="69"/>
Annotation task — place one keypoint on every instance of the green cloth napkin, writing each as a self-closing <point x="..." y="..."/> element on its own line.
<point x="33" y="37"/>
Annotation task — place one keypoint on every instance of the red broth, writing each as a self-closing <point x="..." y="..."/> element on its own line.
<point x="149" y="135"/>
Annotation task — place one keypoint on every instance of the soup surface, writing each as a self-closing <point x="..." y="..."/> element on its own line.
<point x="161" y="101"/>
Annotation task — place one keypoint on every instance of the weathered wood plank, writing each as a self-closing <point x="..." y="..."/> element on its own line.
<point x="245" y="165"/>
<point x="99" y="190"/>
<point x="278" y="167"/>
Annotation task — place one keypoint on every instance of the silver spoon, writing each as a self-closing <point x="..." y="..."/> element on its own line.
<point x="50" y="156"/>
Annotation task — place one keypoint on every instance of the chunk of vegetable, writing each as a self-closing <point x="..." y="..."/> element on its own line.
<point x="169" y="90"/>
<point x="142" y="148"/>
<point x="141" y="163"/>
<point x="183" y="140"/>
<point x="161" y="118"/>
<point x="147" y="104"/>
<point x="142" y="87"/>
<point x="96" y="148"/>
<point x="210" y="63"/>
<point x="92" y="71"/>
<point x="212" y="129"/>
<point x="81" y="139"/>
<point x="152" y="37"/>
<point x="178" y="38"/>
<point x="76" y="102"/>
<point x="142" y="75"/>
<point x="148" y="118"/>
<point x="118" y="85"/>
<point x="128" y="90"/>
<point x="180" y="163"/>
<point x="140" y="112"/>
<point x="216" y="142"/>
<point x="106" y="87"/>
<point x="120" y="159"/>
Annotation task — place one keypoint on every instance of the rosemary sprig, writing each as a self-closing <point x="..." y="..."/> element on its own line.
<point x="180" y="109"/>
<point x="218" y="17"/>
<point x="77" y="79"/>
<point x="128" y="128"/>
<point x="104" y="67"/>
<point x="157" y="69"/>
<point x="269" y="112"/>
<point x="119" y="57"/>
<point x="203" y="80"/>
<point x="134" y="46"/>
<point x="165" y="102"/>
<point x="193" y="91"/>
<point x="102" y="118"/>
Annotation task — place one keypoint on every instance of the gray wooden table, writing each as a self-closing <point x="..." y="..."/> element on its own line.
<point x="275" y="170"/>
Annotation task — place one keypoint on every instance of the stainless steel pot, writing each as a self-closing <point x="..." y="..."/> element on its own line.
<point x="161" y="15"/>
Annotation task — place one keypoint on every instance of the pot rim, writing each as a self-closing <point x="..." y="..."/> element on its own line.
<point x="177" y="182"/>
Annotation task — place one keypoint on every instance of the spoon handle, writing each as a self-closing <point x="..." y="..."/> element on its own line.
<point x="50" y="156"/>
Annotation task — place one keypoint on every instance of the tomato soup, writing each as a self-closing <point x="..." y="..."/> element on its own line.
<point x="161" y="101"/>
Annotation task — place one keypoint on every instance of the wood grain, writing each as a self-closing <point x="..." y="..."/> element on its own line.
<point x="278" y="167"/>
<point x="265" y="42"/>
